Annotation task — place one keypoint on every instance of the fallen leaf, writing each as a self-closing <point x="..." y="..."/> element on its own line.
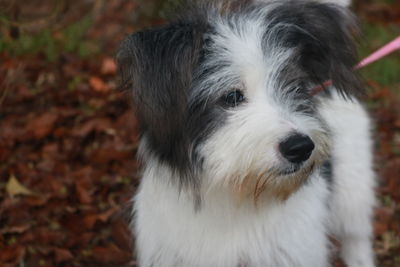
<point x="45" y="236"/>
<point x="98" y="84"/>
<point x="397" y="123"/>
<point x="107" y="214"/>
<point x="91" y="219"/>
<point x="42" y="125"/>
<point x="121" y="234"/>
<point x="11" y="254"/>
<point x="382" y="220"/>
<point x="97" y="124"/>
<point x="16" y="229"/>
<point x="14" y="187"/>
<point x="82" y="239"/>
<point x="63" y="255"/>
<point x="108" y="66"/>
<point x="37" y="200"/>
<point x="390" y="172"/>
<point x="110" y="254"/>
<point x="83" y="193"/>
<point x="104" y="155"/>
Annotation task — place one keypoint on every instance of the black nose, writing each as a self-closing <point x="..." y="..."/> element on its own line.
<point x="297" y="148"/>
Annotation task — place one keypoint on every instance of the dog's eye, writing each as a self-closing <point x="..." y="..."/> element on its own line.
<point x="233" y="98"/>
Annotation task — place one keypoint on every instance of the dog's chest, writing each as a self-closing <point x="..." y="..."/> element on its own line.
<point x="222" y="233"/>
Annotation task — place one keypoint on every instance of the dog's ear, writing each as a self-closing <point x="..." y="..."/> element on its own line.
<point x="331" y="51"/>
<point x="157" y="65"/>
<point x="325" y="44"/>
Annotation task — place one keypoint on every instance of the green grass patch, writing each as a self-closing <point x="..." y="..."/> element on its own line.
<point x="169" y="7"/>
<point x="51" y="44"/>
<point x="386" y="71"/>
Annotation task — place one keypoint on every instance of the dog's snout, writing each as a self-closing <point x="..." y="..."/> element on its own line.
<point x="297" y="148"/>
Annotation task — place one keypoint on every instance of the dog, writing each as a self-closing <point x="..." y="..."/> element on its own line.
<point x="242" y="165"/>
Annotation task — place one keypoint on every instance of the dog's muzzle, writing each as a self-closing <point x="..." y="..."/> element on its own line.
<point x="297" y="148"/>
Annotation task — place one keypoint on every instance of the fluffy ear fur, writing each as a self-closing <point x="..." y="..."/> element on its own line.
<point x="323" y="38"/>
<point x="158" y="65"/>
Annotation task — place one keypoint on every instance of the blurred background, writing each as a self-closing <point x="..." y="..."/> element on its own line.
<point x="68" y="137"/>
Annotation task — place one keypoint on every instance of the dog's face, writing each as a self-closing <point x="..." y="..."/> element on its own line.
<point x="224" y="99"/>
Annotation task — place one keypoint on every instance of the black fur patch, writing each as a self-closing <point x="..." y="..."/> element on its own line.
<point x="322" y="38"/>
<point x="158" y="65"/>
<point x="161" y="66"/>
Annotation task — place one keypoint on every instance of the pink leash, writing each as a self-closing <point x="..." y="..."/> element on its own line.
<point x="380" y="53"/>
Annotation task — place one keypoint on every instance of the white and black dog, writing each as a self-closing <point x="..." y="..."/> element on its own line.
<point x="243" y="166"/>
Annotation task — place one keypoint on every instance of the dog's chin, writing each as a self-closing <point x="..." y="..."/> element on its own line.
<point x="302" y="169"/>
<point x="279" y="182"/>
<point x="290" y="170"/>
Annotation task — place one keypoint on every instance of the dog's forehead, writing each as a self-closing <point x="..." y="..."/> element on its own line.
<point x="275" y="47"/>
<point x="251" y="48"/>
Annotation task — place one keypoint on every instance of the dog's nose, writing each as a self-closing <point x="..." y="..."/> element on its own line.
<point x="297" y="148"/>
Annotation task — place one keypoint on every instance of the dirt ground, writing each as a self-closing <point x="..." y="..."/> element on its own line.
<point x="68" y="137"/>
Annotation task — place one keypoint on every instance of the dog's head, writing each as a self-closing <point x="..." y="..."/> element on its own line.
<point x="223" y="94"/>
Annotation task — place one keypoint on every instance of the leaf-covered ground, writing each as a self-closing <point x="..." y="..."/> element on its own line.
<point x="68" y="138"/>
